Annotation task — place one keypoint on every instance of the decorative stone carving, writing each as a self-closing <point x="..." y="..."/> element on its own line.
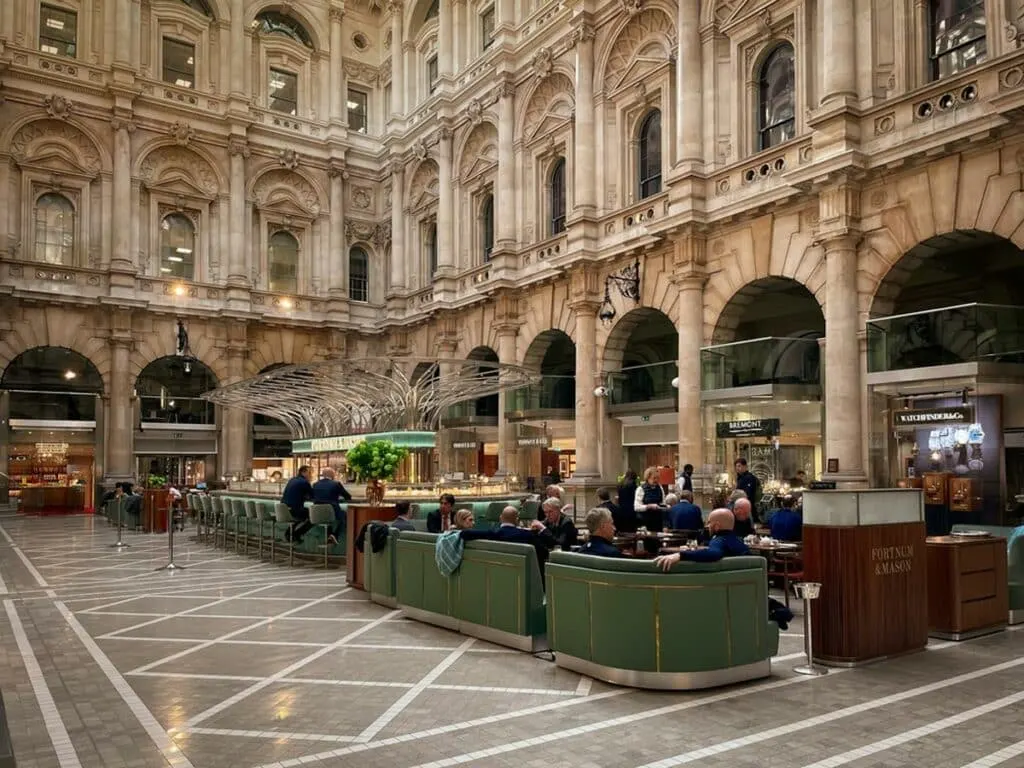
<point x="475" y="111"/>
<point x="282" y="185"/>
<point x="165" y="165"/>
<point x="481" y="151"/>
<point x="549" y="106"/>
<point x="423" y="189"/>
<point x="362" y="72"/>
<point x="645" y="43"/>
<point x="419" y="150"/>
<point x="36" y="140"/>
<point x="336" y="14"/>
<point x="542" y="63"/>
<point x="122" y="124"/>
<point x="507" y="89"/>
<point x="181" y="133"/>
<point x="289" y="159"/>
<point x="359" y="231"/>
<point x="382" y="235"/>
<point x="362" y="198"/>
<point x="237" y="145"/>
<point x="632" y="7"/>
<point x="58" y="107"/>
<point x="583" y="33"/>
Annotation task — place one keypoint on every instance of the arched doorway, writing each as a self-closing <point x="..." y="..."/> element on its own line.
<point x="271" y="444"/>
<point x="546" y="435"/>
<point x="945" y="371"/>
<point x="761" y="386"/>
<point x="176" y="441"/>
<point x="49" y="410"/>
<point x="640" y="357"/>
<point x="473" y="425"/>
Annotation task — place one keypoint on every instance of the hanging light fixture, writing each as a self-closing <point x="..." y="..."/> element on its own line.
<point x="627" y="281"/>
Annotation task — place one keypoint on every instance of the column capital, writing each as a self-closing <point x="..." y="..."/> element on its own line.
<point x="839" y="206"/>
<point x="337" y="169"/>
<point x="238" y="146"/>
<point x="122" y="124"/>
<point x="839" y="240"/>
<point x="394" y="6"/>
<point x="337" y="13"/>
<point x="583" y="30"/>
<point x="584" y="289"/>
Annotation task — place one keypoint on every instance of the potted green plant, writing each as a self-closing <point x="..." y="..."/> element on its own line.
<point x="376" y="462"/>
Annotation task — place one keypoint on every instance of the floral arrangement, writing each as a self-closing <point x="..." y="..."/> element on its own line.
<point x="375" y="461"/>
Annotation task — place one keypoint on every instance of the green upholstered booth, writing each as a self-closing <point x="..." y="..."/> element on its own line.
<point x="1014" y="565"/>
<point x="379" y="570"/>
<point x="627" y="622"/>
<point x="495" y="595"/>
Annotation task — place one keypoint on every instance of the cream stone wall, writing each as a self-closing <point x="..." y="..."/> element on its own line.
<point x="883" y="158"/>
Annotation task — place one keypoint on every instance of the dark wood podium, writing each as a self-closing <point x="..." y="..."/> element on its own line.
<point x="867" y="550"/>
<point x="967" y="586"/>
<point x="358" y="516"/>
<point x="154" y="510"/>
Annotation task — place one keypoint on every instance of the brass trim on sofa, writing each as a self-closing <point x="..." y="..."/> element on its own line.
<point x="675" y="681"/>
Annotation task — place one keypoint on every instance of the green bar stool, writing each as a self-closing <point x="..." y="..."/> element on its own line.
<point x="251" y="518"/>
<point x="284" y="515"/>
<point x="217" y="513"/>
<point x="241" y="522"/>
<point x="265" y="511"/>
<point x="323" y="515"/>
<point x="206" y="510"/>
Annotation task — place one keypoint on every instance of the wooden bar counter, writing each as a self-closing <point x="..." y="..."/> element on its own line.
<point x="967" y="586"/>
<point x="867" y="550"/>
<point x="358" y="516"/>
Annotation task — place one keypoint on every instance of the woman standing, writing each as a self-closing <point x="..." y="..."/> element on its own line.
<point x="649" y="501"/>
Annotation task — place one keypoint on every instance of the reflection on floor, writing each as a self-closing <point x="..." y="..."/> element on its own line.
<point x="233" y="663"/>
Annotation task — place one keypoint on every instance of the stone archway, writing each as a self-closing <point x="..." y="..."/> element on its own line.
<point x="485" y="407"/>
<point x="170" y="390"/>
<point x="640" y="355"/>
<point x="52" y="383"/>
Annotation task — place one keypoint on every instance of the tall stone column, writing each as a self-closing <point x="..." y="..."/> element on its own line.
<point x="239" y="59"/>
<point x="840" y="44"/>
<point x="398" y="253"/>
<point x="444" y="42"/>
<point x="584" y="303"/>
<point x="6" y="24"/>
<point x="119" y="465"/>
<point x="506" y="325"/>
<point x="397" y="59"/>
<point x="237" y="434"/>
<point x="121" y="216"/>
<point x="506" y="167"/>
<point x="689" y="93"/>
<point x="337" y="260"/>
<point x="337" y="79"/>
<point x="445" y="203"/>
<point x="689" y="278"/>
<point x="123" y="38"/>
<point x="584" y="170"/>
<point x="238" y="272"/>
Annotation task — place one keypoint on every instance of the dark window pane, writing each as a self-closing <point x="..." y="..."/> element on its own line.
<point x="179" y="63"/>
<point x="558" y="197"/>
<point x="487" y="226"/>
<point x="284" y="92"/>
<point x="487" y="27"/>
<point x="776" y="98"/>
<point x="432" y="74"/>
<point x="273" y="23"/>
<point x="958" y="35"/>
<point x="358" y="275"/>
<point x="649" y="165"/>
<point x="357" y="112"/>
<point x="55" y="229"/>
<point x="58" y="31"/>
<point x="177" y="247"/>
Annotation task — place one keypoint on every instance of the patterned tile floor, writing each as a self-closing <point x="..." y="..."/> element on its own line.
<point x="232" y="663"/>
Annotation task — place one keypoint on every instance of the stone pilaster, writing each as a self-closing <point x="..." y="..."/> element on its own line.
<point x="337" y="263"/>
<point x="122" y="214"/>
<point x="506" y="197"/>
<point x="119" y="464"/>
<point x="840" y="44"/>
<point x="584" y="160"/>
<point x="238" y="272"/>
<point x="339" y="113"/>
<point x="584" y="301"/>
<point x="397" y="59"/>
<point x="506" y="325"/>
<point x="446" y="202"/>
<point x="689" y="94"/>
<point x="689" y="276"/>
<point x="237" y="434"/>
<point x="239" y="56"/>
<point x="398" y="253"/>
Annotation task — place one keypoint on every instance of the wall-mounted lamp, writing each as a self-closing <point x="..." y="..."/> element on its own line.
<point x="601" y="391"/>
<point x="627" y="280"/>
<point x="675" y="383"/>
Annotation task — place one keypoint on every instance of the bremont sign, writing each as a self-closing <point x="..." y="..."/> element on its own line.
<point x="923" y="417"/>
<point x="748" y="428"/>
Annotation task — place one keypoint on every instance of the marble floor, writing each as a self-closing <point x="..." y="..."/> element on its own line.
<point x="233" y="663"/>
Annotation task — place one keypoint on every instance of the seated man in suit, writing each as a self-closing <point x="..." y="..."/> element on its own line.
<point x="602" y="531"/>
<point x="401" y="521"/>
<point x="787" y="524"/>
<point x="561" y="525"/>
<point x="685" y="515"/>
<point x="508" y="530"/>
<point x="441" y="519"/>
<point x="296" y="493"/>
<point x="625" y="520"/>
<point x="743" y="515"/>
<point x="724" y="543"/>
<point x="327" y="490"/>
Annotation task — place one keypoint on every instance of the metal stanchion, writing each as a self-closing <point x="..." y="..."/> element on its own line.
<point x="171" y="566"/>
<point x="120" y="519"/>
<point x="809" y="591"/>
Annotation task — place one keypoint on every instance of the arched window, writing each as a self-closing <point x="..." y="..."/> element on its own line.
<point x="487" y="226"/>
<point x="557" y="193"/>
<point x="649" y="161"/>
<point x="358" y="275"/>
<point x="199" y="5"/>
<point x="177" y="247"/>
<point x="274" y="23"/>
<point x="958" y="35"/>
<point x="777" y="98"/>
<point x="431" y="245"/>
<point x="283" y="263"/>
<point x="55" y="229"/>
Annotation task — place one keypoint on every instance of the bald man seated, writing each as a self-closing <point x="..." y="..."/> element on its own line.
<point x="724" y="543"/>
<point x="744" y="523"/>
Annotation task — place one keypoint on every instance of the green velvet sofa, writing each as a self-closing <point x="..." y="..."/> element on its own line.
<point x="496" y="594"/>
<point x="379" y="567"/>
<point x="1014" y="565"/>
<point x="627" y="622"/>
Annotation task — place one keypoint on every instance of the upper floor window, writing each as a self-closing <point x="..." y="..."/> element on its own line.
<point x="177" y="247"/>
<point x="557" y="193"/>
<point x="283" y="263"/>
<point x="958" y="35"/>
<point x="283" y="90"/>
<point x="777" y="98"/>
<point x="357" y="114"/>
<point x="431" y="245"/>
<point x="199" y="5"/>
<point x="179" y="63"/>
<point x="487" y="226"/>
<point x="55" y="229"/>
<point x="487" y="27"/>
<point x="358" y="275"/>
<point x="432" y="74"/>
<point x="274" y="23"/>
<point x="58" y="31"/>
<point x="649" y="160"/>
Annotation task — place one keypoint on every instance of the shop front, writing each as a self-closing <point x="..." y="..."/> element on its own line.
<point x="546" y="454"/>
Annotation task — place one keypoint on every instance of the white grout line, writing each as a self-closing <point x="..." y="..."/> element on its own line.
<point x="583" y="688"/>
<point x="241" y="695"/>
<point x="271" y="735"/>
<point x="24" y="559"/>
<point x="196" y="676"/>
<point x="409" y="696"/>
<point x="3" y="586"/>
<point x="163" y="742"/>
<point x="837" y="714"/>
<point x="66" y="755"/>
<point x="998" y="758"/>
<point x="335" y="619"/>
<point x="917" y="733"/>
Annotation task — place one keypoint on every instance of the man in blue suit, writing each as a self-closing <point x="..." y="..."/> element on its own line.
<point x="327" y="490"/>
<point x="296" y="493"/>
<point x="602" y="532"/>
<point x="787" y="524"/>
<point x="508" y="530"/>
<point x="685" y="515"/>
<point x="724" y="543"/>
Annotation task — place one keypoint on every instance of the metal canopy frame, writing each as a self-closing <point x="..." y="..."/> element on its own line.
<point x="339" y="397"/>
